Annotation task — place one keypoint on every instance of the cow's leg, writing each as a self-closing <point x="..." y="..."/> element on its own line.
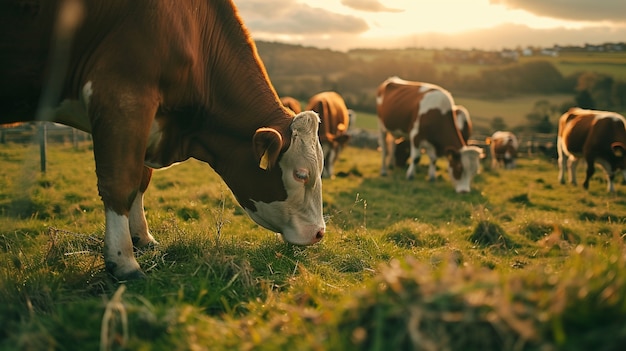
<point x="572" y="164"/>
<point x="562" y="161"/>
<point x="139" y="232"/>
<point x="329" y="158"/>
<point x="120" y="124"/>
<point x="590" y="170"/>
<point x="413" y="160"/>
<point x="610" y="175"/>
<point x="384" y="149"/>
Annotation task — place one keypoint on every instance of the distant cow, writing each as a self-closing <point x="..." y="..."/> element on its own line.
<point x="596" y="136"/>
<point x="333" y="128"/>
<point x="503" y="146"/>
<point x="291" y="103"/>
<point x="463" y="122"/>
<point x="424" y="115"/>
<point x="403" y="147"/>
<point x="155" y="83"/>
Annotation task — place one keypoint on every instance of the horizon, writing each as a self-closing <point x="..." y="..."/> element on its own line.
<point x="468" y="24"/>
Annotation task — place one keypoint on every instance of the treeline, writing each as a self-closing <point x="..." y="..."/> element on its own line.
<point x="304" y="71"/>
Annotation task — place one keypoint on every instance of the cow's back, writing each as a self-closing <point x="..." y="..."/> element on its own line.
<point x="574" y="130"/>
<point x="397" y="105"/>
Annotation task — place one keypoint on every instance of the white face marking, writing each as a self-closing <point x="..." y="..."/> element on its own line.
<point x="470" y="159"/>
<point x="299" y="218"/>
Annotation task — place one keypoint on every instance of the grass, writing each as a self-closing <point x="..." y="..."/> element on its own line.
<point x="520" y="263"/>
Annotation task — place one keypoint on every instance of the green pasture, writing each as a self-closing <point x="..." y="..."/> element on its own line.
<point x="609" y="63"/>
<point x="520" y="263"/>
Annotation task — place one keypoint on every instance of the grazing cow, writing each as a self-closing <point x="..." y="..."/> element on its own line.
<point x="291" y="103"/>
<point x="463" y="121"/>
<point x="403" y="148"/>
<point x="596" y="136"/>
<point x="503" y="146"/>
<point x="155" y="83"/>
<point x="333" y="128"/>
<point x="424" y="115"/>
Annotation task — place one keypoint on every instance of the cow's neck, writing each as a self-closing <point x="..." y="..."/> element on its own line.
<point x="239" y="96"/>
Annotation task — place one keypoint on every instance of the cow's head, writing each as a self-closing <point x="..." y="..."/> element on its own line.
<point x="297" y="213"/>
<point x="463" y="165"/>
<point x="510" y="154"/>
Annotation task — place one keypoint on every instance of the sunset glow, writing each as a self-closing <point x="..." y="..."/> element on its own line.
<point x="486" y="23"/>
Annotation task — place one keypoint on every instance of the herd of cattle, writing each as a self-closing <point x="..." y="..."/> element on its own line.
<point x="418" y="118"/>
<point x="156" y="90"/>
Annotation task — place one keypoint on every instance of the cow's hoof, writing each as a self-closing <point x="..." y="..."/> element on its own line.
<point x="135" y="274"/>
<point x="144" y="244"/>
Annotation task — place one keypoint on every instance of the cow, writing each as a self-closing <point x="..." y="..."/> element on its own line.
<point x="333" y="131"/>
<point x="424" y="114"/>
<point x="595" y="136"/>
<point x="291" y="103"/>
<point x="402" y="149"/>
<point x="503" y="146"/>
<point x="463" y="121"/>
<point x="157" y="83"/>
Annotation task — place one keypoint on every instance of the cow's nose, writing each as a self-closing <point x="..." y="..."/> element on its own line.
<point x="319" y="235"/>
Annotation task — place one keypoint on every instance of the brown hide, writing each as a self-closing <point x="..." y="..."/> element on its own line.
<point x="594" y="136"/>
<point x="335" y="120"/>
<point x="424" y="115"/>
<point x="165" y="72"/>
<point x="333" y="114"/>
<point x="401" y="107"/>
<point x="158" y="82"/>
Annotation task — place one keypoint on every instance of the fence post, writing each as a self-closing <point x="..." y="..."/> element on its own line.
<point x="42" y="145"/>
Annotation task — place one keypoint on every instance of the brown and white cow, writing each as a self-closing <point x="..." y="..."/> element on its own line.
<point x="155" y="83"/>
<point x="403" y="147"/>
<point x="333" y="131"/>
<point x="596" y="136"/>
<point x="291" y="103"/>
<point x="503" y="146"/>
<point x="424" y="115"/>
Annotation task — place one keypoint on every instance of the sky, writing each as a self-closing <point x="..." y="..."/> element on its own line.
<point x="464" y="24"/>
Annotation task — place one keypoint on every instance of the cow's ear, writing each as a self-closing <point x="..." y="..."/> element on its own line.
<point x="267" y="143"/>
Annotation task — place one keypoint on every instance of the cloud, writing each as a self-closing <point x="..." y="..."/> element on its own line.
<point x="577" y="10"/>
<point x="369" y="6"/>
<point x="292" y="18"/>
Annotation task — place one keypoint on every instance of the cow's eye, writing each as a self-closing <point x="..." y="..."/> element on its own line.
<point x="301" y="175"/>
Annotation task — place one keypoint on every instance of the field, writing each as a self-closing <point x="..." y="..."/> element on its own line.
<point x="520" y="263"/>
